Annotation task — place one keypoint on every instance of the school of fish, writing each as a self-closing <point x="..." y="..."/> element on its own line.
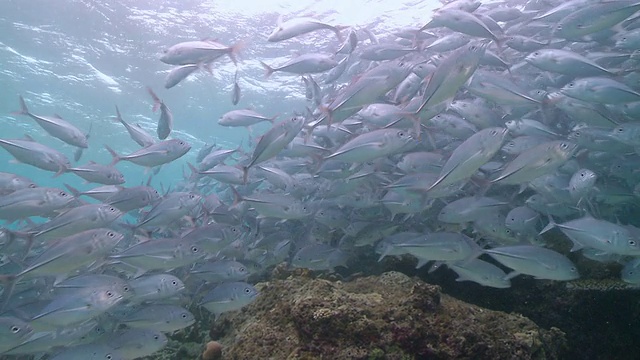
<point x="458" y="142"/>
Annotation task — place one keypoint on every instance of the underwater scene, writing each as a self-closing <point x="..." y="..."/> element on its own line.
<point x="280" y="179"/>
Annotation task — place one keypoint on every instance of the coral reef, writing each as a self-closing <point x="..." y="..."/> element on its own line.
<point x="390" y="316"/>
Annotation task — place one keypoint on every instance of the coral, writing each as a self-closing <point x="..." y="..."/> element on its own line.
<point x="390" y="316"/>
<point x="212" y="351"/>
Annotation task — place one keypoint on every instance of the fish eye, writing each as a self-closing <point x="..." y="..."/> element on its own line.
<point x="126" y="288"/>
<point x="247" y="290"/>
<point x="620" y="129"/>
<point x="15" y="329"/>
<point x="194" y="249"/>
<point x="242" y="269"/>
<point x="184" y="316"/>
<point x="174" y="282"/>
<point x="192" y="196"/>
<point x="155" y="337"/>
<point x="112" y="209"/>
<point x="63" y="194"/>
<point x="632" y="242"/>
<point x="109" y="293"/>
<point x="111" y="234"/>
<point x="564" y="145"/>
<point x="108" y="357"/>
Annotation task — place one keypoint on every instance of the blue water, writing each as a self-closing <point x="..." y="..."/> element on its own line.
<point x="80" y="58"/>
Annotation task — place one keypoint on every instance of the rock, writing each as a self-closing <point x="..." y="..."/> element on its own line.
<point x="390" y="316"/>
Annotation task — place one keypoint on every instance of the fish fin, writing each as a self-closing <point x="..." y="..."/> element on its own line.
<point x="57" y="116"/>
<point x="421" y="263"/>
<point x="118" y="116"/>
<point x="23" y="107"/>
<point x="28" y="137"/>
<point x="576" y="246"/>
<point x="194" y="172"/>
<point x="549" y="226"/>
<point x="114" y="155"/>
<point x="268" y="70"/>
<point x="75" y="192"/>
<point x="156" y="100"/>
<point x="78" y="154"/>
<point x="435" y="266"/>
<point x="511" y="275"/>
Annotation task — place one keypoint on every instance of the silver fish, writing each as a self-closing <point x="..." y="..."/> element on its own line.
<point x="299" y="26"/>
<point x="57" y="127"/>
<point x="229" y="296"/>
<point x="165" y="123"/>
<point x="154" y="155"/>
<point x="136" y="132"/>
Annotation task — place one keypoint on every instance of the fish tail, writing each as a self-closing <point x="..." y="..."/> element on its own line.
<point x="338" y="30"/>
<point x="273" y="118"/>
<point x="194" y="172"/>
<point x="268" y="70"/>
<point x="235" y="50"/>
<point x="114" y="155"/>
<point x="245" y="174"/>
<point x="9" y="287"/>
<point x="156" y="100"/>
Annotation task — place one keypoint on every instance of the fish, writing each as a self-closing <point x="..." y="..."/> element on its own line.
<point x="236" y="94"/>
<point x="99" y="174"/>
<point x="165" y="123"/>
<point x="13" y="332"/>
<point x="37" y="201"/>
<point x="469" y="156"/>
<point x="481" y="272"/>
<point x="155" y="287"/>
<point x="451" y="74"/>
<point x="295" y="27"/>
<point x="57" y="127"/>
<point x="157" y="154"/>
<point x="35" y="154"/>
<point x="600" y="90"/>
<point x="535" y="261"/>
<point x="303" y="64"/>
<point x="75" y="220"/>
<point x="136" y="132"/>
<point x="598" y="234"/>
<point x="11" y="182"/>
<point x="535" y="162"/>
<point x="243" y="118"/>
<point x="229" y="296"/>
<point x="372" y="145"/>
<point x="221" y="271"/>
<point x="165" y="318"/>
<point x="197" y="52"/>
<point x="179" y="73"/>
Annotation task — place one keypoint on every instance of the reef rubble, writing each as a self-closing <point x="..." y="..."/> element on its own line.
<point x="391" y="316"/>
